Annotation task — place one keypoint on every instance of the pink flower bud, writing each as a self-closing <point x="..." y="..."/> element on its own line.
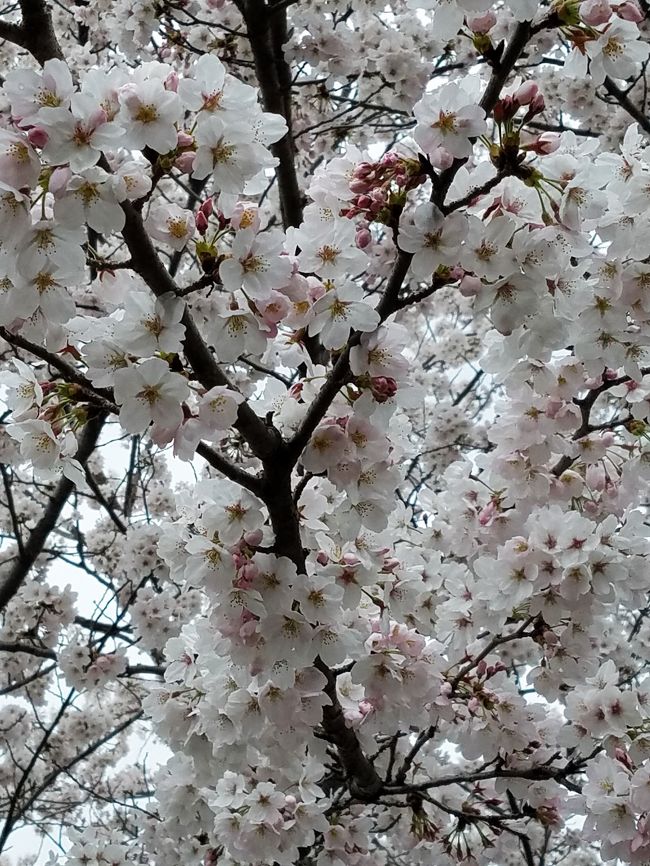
<point x="482" y="23"/>
<point x="548" y="142"/>
<point x="365" y="707"/>
<point x="595" y="477"/>
<point x="249" y="572"/>
<point x="363" y="170"/>
<point x="185" y="162"/>
<point x="363" y="239"/>
<point x="37" y="136"/>
<point x="184" y="139"/>
<point x="171" y="82"/>
<point x="59" y="180"/>
<point x="470" y="286"/>
<point x="505" y="109"/>
<point x="239" y="559"/>
<point x="486" y="514"/>
<point x="595" y="12"/>
<point x="211" y="857"/>
<point x="358" y="186"/>
<point x="383" y="388"/>
<point x="481" y="668"/>
<point x="350" y="558"/>
<point x="254" y="537"/>
<point x="526" y="93"/>
<point x="322" y="558"/>
<point x="201" y="223"/>
<point x="537" y="105"/>
<point x="630" y="11"/>
<point x="440" y="158"/>
<point x="207" y="206"/>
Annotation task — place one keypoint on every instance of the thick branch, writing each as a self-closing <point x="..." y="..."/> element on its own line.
<point x="267" y="31"/>
<point x="35" y="33"/>
<point x="362" y="777"/>
<point x="204" y="365"/>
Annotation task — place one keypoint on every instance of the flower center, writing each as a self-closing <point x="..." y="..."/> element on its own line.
<point x="146" y="113"/>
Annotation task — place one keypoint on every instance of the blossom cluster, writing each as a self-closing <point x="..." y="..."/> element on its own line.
<point x="341" y="402"/>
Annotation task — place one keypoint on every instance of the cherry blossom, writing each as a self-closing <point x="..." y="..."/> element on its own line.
<point x="149" y="392"/>
<point x="326" y="388"/>
<point x="449" y="118"/>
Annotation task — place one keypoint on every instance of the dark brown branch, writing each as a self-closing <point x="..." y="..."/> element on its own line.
<point x="21" y="684"/>
<point x="15" y="812"/>
<point x="267" y="32"/>
<point x="98" y="396"/>
<point x="35" y="33"/>
<point x="15" y="525"/>
<point x="626" y="103"/>
<point x="230" y="470"/>
<point x="38" y="536"/>
<point x="261" y="439"/>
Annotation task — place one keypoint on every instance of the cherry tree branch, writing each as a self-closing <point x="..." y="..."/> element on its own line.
<point x="16" y="812"/>
<point x="626" y="103"/>
<point x="33" y="545"/>
<point x="390" y="301"/>
<point x="266" y="26"/>
<point x="105" y="399"/>
<point x="99" y="396"/>
<point x="146" y="262"/>
<point x="35" y="33"/>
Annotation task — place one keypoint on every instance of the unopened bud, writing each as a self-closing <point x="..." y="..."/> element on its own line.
<point x="59" y="180"/>
<point x="595" y="12"/>
<point x="254" y="537"/>
<point x="185" y="162"/>
<point x="548" y="142"/>
<point x="363" y="239"/>
<point x="184" y="139"/>
<point x="201" y="223"/>
<point x="358" y="186"/>
<point x="37" y="136"/>
<point x="482" y="23"/>
<point x="630" y="11"/>
<point x="171" y="82"/>
<point x="470" y="286"/>
<point x="526" y="93"/>
<point x="383" y="388"/>
<point x="363" y="170"/>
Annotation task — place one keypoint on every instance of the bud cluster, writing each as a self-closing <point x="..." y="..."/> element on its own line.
<point x="378" y="186"/>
